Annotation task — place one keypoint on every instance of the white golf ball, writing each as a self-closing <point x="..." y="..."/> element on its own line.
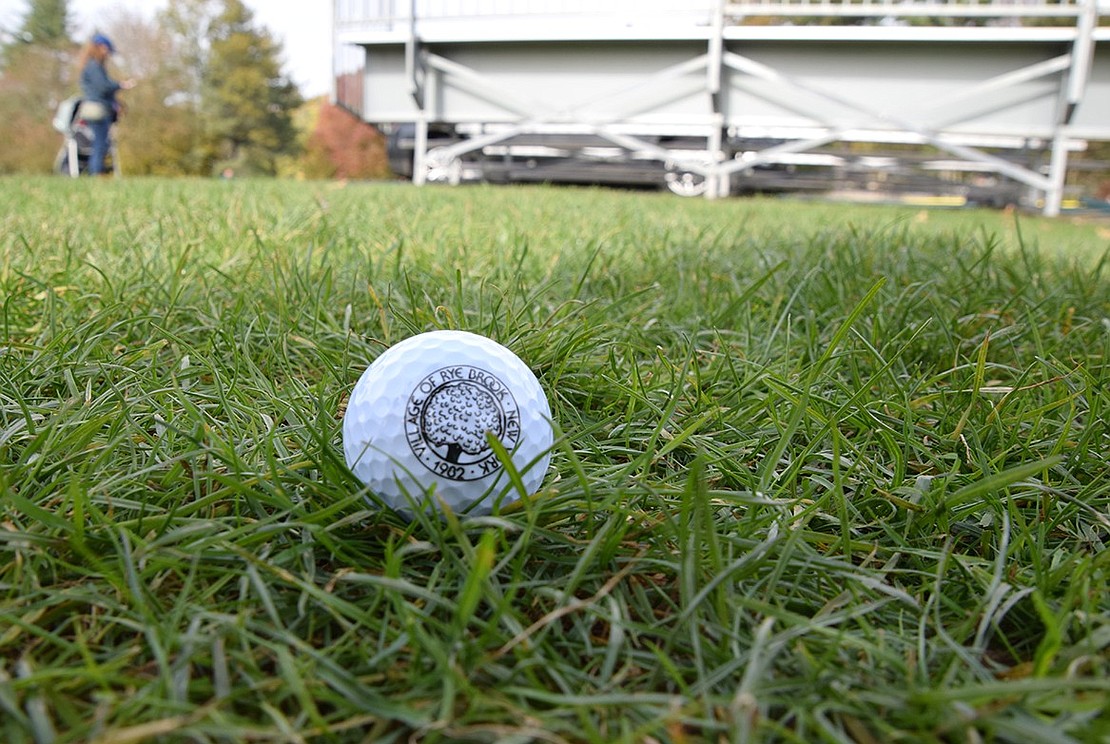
<point x="417" y="421"/>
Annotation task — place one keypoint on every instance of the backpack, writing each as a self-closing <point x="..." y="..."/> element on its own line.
<point x="65" y="114"/>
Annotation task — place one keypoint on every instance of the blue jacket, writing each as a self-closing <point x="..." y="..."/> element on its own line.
<point x="96" y="85"/>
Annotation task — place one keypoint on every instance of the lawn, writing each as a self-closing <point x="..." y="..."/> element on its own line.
<point x="824" y="473"/>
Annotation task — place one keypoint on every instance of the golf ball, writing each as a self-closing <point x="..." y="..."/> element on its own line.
<point x="415" y="429"/>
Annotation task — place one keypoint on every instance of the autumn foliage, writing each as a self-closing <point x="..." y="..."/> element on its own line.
<point x="27" y="102"/>
<point x="343" y="146"/>
<point x="211" y="97"/>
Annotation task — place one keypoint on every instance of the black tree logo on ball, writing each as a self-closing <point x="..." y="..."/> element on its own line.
<point x="458" y="416"/>
<point x="448" y="416"/>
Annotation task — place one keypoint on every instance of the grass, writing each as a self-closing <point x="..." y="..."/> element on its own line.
<point x="825" y="473"/>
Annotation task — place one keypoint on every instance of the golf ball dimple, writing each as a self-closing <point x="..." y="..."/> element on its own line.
<point x="418" y="419"/>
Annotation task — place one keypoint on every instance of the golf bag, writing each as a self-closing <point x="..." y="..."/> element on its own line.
<point x="73" y="157"/>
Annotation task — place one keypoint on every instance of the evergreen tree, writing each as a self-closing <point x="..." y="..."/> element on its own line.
<point x="45" y="26"/>
<point x="37" y="74"/>
<point x="247" y="102"/>
<point x="46" y="23"/>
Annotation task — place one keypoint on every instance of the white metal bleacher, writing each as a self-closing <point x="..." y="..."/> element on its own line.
<point x="971" y="79"/>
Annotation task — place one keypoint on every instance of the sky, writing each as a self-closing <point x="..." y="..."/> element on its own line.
<point x="302" y="26"/>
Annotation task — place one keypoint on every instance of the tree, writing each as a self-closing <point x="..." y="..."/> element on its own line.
<point x="457" y="417"/>
<point x="211" y="90"/>
<point x="37" y="75"/>
<point x="46" y="23"/>
<point x="343" y="146"/>
<point x="29" y="91"/>
<point x="159" y="127"/>
<point x="231" y="79"/>
<point x="246" y="102"/>
<point x="187" y="22"/>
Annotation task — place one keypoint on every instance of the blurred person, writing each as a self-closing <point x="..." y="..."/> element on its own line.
<point x="99" y="107"/>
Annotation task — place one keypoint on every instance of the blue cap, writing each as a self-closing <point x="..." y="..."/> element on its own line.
<point x="104" y="40"/>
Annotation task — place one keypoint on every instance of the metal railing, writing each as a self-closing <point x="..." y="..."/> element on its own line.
<point x="962" y="9"/>
<point x="387" y="15"/>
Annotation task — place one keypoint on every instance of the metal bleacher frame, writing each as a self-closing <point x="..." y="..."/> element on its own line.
<point x="970" y="78"/>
